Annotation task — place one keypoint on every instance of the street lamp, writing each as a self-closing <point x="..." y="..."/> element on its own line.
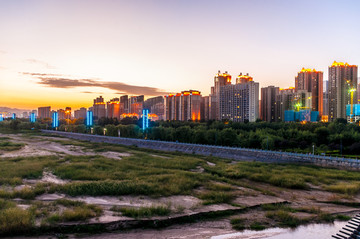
<point x="313" y="149"/>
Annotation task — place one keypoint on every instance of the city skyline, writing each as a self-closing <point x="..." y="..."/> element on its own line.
<point x="153" y="48"/>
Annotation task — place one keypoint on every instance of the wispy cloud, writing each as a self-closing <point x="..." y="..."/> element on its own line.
<point x="43" y="63"/>
<point x="2" y="52"/>
<point x="59" y="81"/>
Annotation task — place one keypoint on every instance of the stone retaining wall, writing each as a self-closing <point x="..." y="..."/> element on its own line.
<point x="234" y="153"/>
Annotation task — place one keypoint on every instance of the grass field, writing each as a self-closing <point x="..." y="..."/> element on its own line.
<point x="156" y="175"/>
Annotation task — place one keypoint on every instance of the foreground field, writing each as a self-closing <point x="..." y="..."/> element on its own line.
<point x="56" y="185"/>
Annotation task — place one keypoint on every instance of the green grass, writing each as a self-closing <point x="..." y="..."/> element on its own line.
<point x="15" y="220"/>
<point x="216" y="197"/>
<point x="348" y="188"/>
<point x="237" y="224"/>
<point x="257" y="226"/>
<point x="9" y="146"/>
<point x="143" y="211"/>
<point x="73" y="211"/>
<point x="285" y="219"/>
<point x="26" y="168"/>
<point x="287" y="175"/>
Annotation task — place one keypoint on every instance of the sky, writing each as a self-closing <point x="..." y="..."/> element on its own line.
<point x="67" y="52"/>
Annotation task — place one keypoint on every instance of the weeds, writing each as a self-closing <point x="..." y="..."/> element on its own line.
<point x="143" y="211"/>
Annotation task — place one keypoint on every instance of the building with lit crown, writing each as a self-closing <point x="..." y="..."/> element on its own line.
<point x="113" y="108"/>
<point x="220" y="79"/>
<point x="240" y="102"/>
<point x="342" y="86"/>
<point x="311" y="80"/>
<point x="183" y="106"/>
<point x="99" y="108"/>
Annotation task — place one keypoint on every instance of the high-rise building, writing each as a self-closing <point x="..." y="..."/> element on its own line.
<point x="268" y="103"/>
<point x="311" y="81"/>
<point x="61" y="114"/>
<point x="99" y="108"/>
<point x="284" y="101"/>
<point x="220" y="79"/>
<point x="124" y="104"/>
<point x="183" y="106"/>
<point x="155" y="105"/>
<point x="80" y="113"/>
<point x="205" y="107"/>
<point x="326" y="98"/>
<point x="358" y="90"/>
<point x="212" y="104"/>
<point x="44" y="112"/>
<point x="136" y="104"/>
<point x="342" y="80"/>
<point x="113" y="108"/>
<point x="240" y="102"/>
<point x="68" y="113"/>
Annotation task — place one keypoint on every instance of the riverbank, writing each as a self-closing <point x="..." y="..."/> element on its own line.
<point x="64" y="186"/>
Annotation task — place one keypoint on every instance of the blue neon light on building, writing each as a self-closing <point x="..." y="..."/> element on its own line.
<point x="1" y="117"/>
<point x="145" y="119"/>
<point x="32" y="118"/>
<point x="89" y="118"/>
<point x="13" y="116"/>
<point x="55" y="120"/>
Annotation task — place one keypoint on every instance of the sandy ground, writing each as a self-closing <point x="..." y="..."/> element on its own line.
<point x="43" y="146"/>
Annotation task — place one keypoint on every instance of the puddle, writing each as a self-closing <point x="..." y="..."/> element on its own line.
<point x="319" y="231"/>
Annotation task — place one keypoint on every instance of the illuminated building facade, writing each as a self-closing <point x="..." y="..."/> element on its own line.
<point x="268" y="103"/>
<point x="183" y="106"/>
<point x="80" y="113"/>
<point x="342" y="80"/>
<point x="311" y="81"/>
<point x="99" y="110"/>
<point x="44" y="112"/>
<point x="113" y="108"/>
<point x="240" y="102"/>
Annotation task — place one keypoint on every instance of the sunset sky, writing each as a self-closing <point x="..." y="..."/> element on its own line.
<point x="67" y="52"/>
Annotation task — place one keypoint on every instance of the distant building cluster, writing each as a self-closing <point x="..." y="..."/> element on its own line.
<point x="310" y="99"/>
<point x="313" y="99"/>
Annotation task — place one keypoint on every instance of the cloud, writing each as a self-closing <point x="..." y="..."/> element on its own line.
<point x="43" y="63"/>
<point x="59" y="81"/>
<point x="90" y="92"/>
<point x="2" y="52"/>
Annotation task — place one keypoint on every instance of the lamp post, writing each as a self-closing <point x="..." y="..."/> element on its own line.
<point x="313" y="149"/>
